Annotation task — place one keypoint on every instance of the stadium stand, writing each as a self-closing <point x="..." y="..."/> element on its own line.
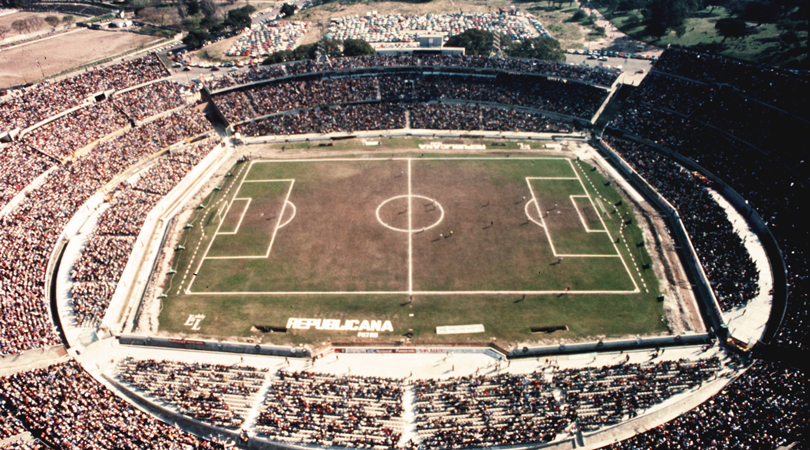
<point x="348" y="411"/>
<point x="763" y="408"/>
<point x="67" y="408"/>
<point x="509" y="409"/>
<point x="732" y="118"/>
<point x="731" y="271"/>
<point x="214" y="393"/>
<point x="589" y="75"/>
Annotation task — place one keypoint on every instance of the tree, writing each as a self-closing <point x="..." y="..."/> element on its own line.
<point x="67" y="20"/>
<point x="19" y="25"/>
<point x="3" y="32"/>
<point x="731" y="28"/>
<point x="196" y="37"/>
<point x="209" y="8"/>
<point x="35" y="22"/>
<point x="192" y="7"/>
<point x="544" y="48"/>
<point x="238" y="19"/>
<point x="578" y="15"/>
<point x="288" y="9"/>
<point x="475" y="41"/>
<point x="760" y="12"/>
<point x="278" y="57"/>
<point x="357" y="47"/>
<point x="664" y="15"/>
<point x="52" y="21"/>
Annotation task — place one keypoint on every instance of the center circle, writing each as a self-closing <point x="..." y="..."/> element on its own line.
<point x="426" y="208"/>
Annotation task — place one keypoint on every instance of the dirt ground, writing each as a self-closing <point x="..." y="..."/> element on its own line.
<point x="19" y="65"/>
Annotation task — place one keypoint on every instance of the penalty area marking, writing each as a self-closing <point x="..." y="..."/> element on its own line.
<point x="211" y="242"/>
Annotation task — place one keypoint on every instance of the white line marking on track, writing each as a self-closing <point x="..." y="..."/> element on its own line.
<point x="613" y="242"/>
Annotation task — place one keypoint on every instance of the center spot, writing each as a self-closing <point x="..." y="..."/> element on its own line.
<point x="425" y="213"/>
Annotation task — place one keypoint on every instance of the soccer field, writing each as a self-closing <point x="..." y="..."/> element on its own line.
<point x="507" y="243"/>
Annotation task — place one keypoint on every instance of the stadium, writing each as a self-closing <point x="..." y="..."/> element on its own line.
<point x="418" y="250"/>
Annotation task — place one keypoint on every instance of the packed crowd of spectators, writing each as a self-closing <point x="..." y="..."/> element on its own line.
<point x="19" y="166"/>
<point x="762" y="126"/>
<point x="676" y="94"/>
<point x="572" y="99"/>
<point x="599" y="76"/>
<point x="60" y="138"/>
<point x="30" y="231"/>
<point x="67" y="408"/>
<point x="322" y="409"/>
<point x="105" y="256"/>
<point x="215" y="393"/>
<point x="467" y="116"/>
<point x="512" y="409"/>
<point x="728" y="265"/>
<point x="375" y="28"/>
<point x="269" y="37"/>
<point x="766" y="407"/>
<point x="762" y="82"/>
<point x="274" y="98"/>
<point x="390" y="116"/>
<point x="772" y="181"/>
<point x="348" y="118"/>
<point x="139" y="104"/>
<point x="22" y="109"/>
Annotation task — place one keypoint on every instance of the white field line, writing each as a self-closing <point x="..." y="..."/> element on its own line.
<point x="629" y="252"/>
<point x="526" y="210"/>
<point x="211" y="242"/>
<point x="280" y="216"/>
<point x="540" y="214"/>
<point x="275" y="230"/>
<point x="581" y="217"/>
<point x="607" y="232"/>
<point x="271" y="181"/>
<point x="553" y="178"/>
<point x="436" y="293"/>
<point x="242" y="216"/>
<point x="410" y="232"/>
<point x="601" y="206"/>
<point x="589" y="256"/>
<point x="295" y="210"/>
<point x="435" y="158"/>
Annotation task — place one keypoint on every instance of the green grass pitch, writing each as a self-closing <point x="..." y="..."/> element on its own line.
<point x="510" y="243"/>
